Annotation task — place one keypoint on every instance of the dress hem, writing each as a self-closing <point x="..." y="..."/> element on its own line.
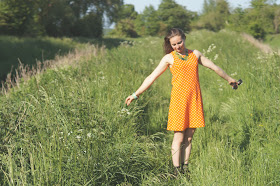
<point x="185" y="128"/>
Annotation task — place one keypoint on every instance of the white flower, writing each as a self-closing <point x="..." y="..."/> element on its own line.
<point x="78" y="137"/>
<point x="216" y="56"/>
<point x="234" y="74"/>
<point x="88" y="135"/>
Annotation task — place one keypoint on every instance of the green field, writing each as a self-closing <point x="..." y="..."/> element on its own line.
<point x="70" y="126"/>
<point x="273" y="40"/>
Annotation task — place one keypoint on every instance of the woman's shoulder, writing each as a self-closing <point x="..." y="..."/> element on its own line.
<point x="168" y="58"/>
<point x="197" y="53"/>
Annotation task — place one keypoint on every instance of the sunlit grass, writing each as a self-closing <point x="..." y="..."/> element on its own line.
<point x="273" y="40"/>
<point x="70" y="126"/>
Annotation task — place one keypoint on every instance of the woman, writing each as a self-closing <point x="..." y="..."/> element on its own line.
<point x="186" y="108"/>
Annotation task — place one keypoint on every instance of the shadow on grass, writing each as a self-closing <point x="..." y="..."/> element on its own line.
<point x="31" y="50"/>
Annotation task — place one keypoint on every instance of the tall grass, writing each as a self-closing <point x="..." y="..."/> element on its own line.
<point x="70" y="126"/>
<point x="273" y="40"/>
<point x="30" y="50"/>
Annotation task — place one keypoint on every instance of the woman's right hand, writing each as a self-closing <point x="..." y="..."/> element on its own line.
<point x="128" y="100"/>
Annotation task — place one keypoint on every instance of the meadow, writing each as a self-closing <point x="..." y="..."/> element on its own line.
<point x="69" y="125"/>
<point x="273" y="40"/>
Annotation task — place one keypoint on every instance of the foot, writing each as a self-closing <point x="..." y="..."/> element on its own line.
<point x="185" y="170"/>
<point x="176" y="171"/>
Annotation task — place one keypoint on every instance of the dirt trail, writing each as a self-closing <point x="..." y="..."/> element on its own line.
<point x="264" y="47"/>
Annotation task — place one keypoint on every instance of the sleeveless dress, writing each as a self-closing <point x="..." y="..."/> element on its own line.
<point x="186" y="107"/>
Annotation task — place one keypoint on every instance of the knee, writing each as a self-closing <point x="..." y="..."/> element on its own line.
<point x="188" y="140"/>
<point x="178" y="140"/>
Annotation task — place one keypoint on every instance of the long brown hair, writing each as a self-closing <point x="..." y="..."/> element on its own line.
<point x="171" y="33"/>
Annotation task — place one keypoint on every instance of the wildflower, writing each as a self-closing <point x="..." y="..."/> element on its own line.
<point x="78" y="137"/>
<point x="124" y="111"/>
<point x="88" y="135"/>
<point x="234" y="74"/>
<point x="216" y="56"/>
<point x="211" y="48"/>
<point x="151" y="61"/>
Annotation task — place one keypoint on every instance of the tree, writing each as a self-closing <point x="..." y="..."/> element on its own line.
<point x="276" y="20"/>
<point x="57" y="17"/>
<point x="258" y="4"/>
<point x="173" y="15"/>
<point x="147" y="23"/>
<point x="215" y="15"/>
<point x="125" y="25"/>
<point x="125" y="28"/>
<point x="127" y="11"/>
<point x="256" y="30"/>
<point x="237" y="20"/>
<point x="79" y="17"/>
<point x="19" y="16"/>
<point x="3" y="13"/>
<point x="208" y="6"/>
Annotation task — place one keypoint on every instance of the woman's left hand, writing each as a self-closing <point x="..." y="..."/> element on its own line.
<point x="233" y="83"/>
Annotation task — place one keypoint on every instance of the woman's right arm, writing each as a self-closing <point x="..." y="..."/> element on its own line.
<point x="163" y="65"/>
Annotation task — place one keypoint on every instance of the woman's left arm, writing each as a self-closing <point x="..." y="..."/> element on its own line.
<point x="209" y="64"/>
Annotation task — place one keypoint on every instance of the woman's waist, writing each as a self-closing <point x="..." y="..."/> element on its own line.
<point x="177" y="81"/>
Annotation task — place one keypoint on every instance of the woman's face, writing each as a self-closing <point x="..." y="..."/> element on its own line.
<point x="178" y="44"/>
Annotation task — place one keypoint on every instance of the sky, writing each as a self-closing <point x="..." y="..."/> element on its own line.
<point x="193" y="5"/>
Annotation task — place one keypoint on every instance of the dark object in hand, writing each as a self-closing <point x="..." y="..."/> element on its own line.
<point x="235" y="85"/>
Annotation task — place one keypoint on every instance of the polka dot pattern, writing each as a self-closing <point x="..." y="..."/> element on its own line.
<point x="186" y="107"/>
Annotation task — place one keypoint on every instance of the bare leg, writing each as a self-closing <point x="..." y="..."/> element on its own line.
<point x="187" y="145"/>
<point x="176" y="147"/>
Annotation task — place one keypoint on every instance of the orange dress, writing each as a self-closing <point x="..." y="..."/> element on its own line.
<point x="186" y="107"/>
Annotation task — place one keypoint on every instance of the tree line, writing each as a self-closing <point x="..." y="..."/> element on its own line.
<point x="86" y="18"/>
<point x="56" y="17"/>
<point x="263" y="17"/>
